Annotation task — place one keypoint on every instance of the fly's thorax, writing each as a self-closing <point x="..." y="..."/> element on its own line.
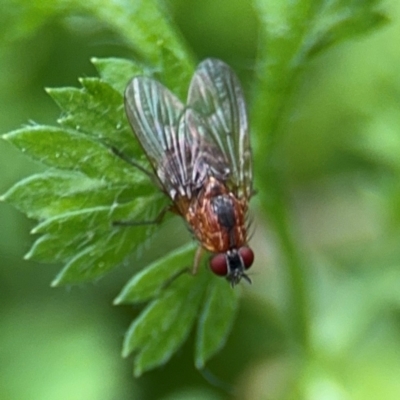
<point x="203" y="163"/>
<point x="223" y="206"/>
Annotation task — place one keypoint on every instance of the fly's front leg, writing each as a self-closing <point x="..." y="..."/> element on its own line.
<point x="197" y="259"/>
<point x="193" y="270"/>
<point x="152" y="176"/>
<point x="172" y="279"/>
<point x="124" y="157"/>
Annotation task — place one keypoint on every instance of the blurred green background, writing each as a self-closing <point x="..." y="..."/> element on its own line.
<point x="341" y="158"/>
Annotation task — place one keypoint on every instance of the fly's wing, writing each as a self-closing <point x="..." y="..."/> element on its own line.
<point x="202" y="157"/>
<point x="216" y="94"/>
<point x="153" y="113"/>
<point x="172" y="137"/>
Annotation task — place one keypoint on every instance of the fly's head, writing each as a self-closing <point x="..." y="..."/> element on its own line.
<point x="233" y="264"/>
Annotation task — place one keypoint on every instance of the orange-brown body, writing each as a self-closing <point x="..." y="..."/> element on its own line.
<point x="204" y="219"/>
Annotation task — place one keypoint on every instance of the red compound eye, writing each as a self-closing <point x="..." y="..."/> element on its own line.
<point x="218" y="264"/>
<point x="247" y="256"/>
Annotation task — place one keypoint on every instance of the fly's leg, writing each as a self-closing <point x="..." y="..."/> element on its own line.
<point x="124" y="157"/>
<point x="155" y="221"/>
<point x="170" y="280"/>
<point x="193" y="270"/>
<point x="197" y="259"/>
<point x="161" y="215"/>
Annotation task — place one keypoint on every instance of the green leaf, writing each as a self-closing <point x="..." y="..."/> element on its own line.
<point x="170" y="74"/>
<point x="164" y="325"/>
<point x="67" y="234"/>
<point x="146" y="29"/>
<point x="51" y="248"/>
<point x="53" y="193"/>
<point x="143" y="25"/>
<point x="36" y="195"/>
<point x="291" y="33"/>
<point x="102" y="256"/>
<point x="117" y="72"/>
<point x="164" y="313"/>
<point x="89" y="242"/>
<point x="337" y="22"/>
<point x="162" y="280"/>
<point x="70" y="150"/>
<point x="89" y="188"/>
<point x="97" y="110"/>
<point x="216" y="320"/>
<point x="85" y="219"/>
<point x="149" y="283"/>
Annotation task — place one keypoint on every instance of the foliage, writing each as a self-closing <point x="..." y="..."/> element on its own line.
<point x="86" y="187"/>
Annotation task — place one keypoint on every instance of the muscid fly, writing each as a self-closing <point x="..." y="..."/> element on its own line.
<point x="201" y="156"/>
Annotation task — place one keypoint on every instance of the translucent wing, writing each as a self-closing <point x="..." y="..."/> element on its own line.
<point x="216" y="94"/>
<point x="173" y="138"/>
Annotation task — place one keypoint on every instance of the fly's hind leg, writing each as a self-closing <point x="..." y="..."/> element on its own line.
<point x="155" y="221"/>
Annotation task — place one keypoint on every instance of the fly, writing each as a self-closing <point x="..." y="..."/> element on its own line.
<point x="201" y="157"/>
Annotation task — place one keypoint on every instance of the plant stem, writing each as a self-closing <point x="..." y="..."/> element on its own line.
<point x="269" y="112"/>
<point x="276" y="208"/>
